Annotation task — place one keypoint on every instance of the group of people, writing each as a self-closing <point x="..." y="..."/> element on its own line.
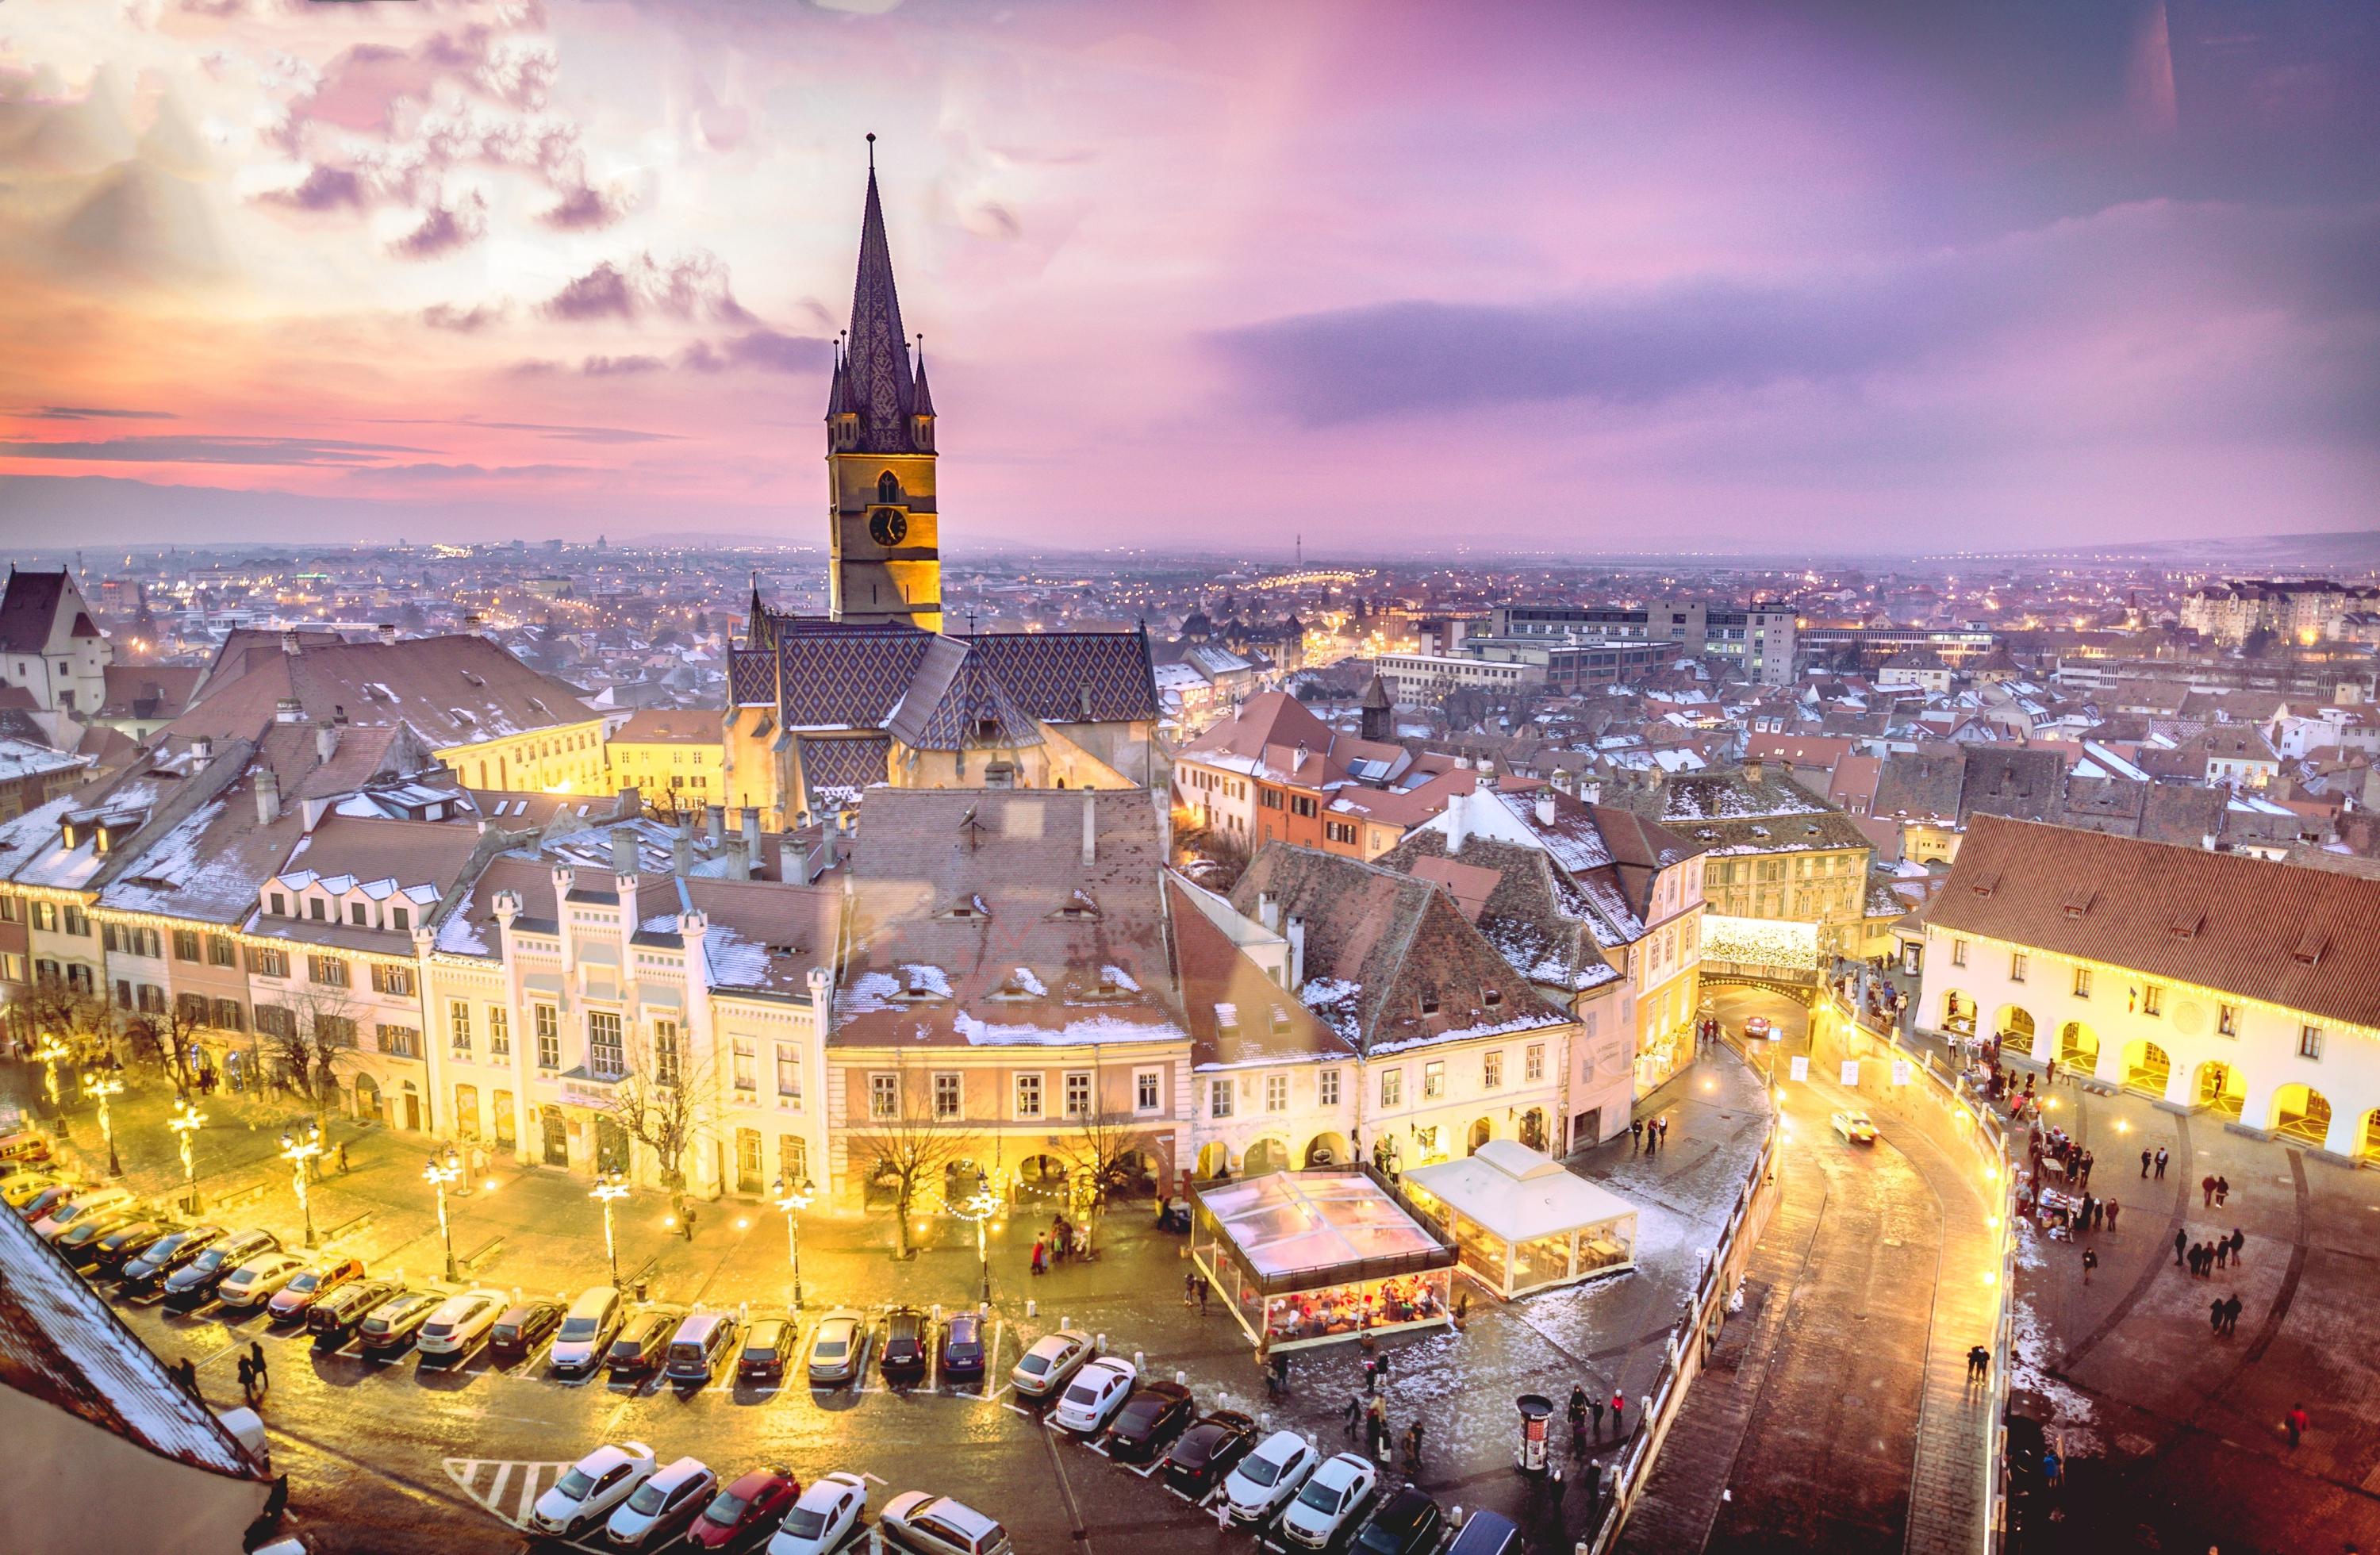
<point x="1647" y="1135"/>
<point x="1062" y="1240"/>
<point x="2203" y="1259"/>
<point x="1372" y="1420"/>
<point x="2216" y="1190"/>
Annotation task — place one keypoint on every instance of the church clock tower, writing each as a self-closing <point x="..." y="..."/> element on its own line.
<point x="883" y="535"/>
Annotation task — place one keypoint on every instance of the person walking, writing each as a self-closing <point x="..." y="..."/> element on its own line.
<point x="2161" y="1158"/>
<point x="2181" y="1241"/>
<point x="1979" y="1363"/>
<point x="685" y="1224"/>
<point x="2144" y="1162"/>
<point x="1412" y="1450"/>
<point x="1040" y="1254"/>
<point x="2090" y="1262"/>
<point x="2215" y="1315"/>
<point x="2206" y="1190"/>
<point x="2052" y="1470"/>
<point x="2222" y="1189"/>
<point x="2222" y="1252"/>
<point x="1635" y="1136"/>
<point x="1190" y="1287"/>
<point x="343" y="1158"/>
<point x="1355" y="1413"/>
<point x="1596" y="1406"/>
<point x="2231" y="1313"/>
<point x="2239" y="1240"/>
<point x="1203" y="1288"/>
<point x="2112" y="1208"/>
<point x="256" y="1363"/>
<point x="2083" y="1167"/>
<point x="2296" y="1424"/>
<point x="1619" y="1408"/>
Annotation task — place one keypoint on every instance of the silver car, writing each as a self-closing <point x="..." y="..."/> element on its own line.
<point x="838" y="1348"/>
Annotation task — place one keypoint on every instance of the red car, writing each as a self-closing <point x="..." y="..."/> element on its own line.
<point x="741" y="1515"/>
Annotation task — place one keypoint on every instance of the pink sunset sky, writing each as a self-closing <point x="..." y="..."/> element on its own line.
<point x="1396" y="277"/>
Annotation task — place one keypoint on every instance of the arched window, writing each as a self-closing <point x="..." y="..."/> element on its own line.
<point x="887" y="489"/>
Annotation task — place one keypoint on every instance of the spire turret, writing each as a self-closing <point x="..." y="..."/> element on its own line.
<point x="876" y="362"/>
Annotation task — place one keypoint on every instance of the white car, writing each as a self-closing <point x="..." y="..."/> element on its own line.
<point x="1054" y="1359"/>
<point x="662" y="1506"/>
<point x="1854" y="1126"/>
<point x="595" y="1483"/>
<point x="827" y="1513"/>
<point x="1268" y="1477"/>
<point x="1332" y="1496"/>
<point x="67" y="1212"/>
<point x="461" y="1322"/>
<point x="259" y="1280"/>
<point x="1096" y="1392"/>
<point x="939" y="1526"/>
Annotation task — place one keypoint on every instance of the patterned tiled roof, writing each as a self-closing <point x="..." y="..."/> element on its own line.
<point x="842" y="761"/>
<point x="875" y="375"/>
<point x="853" y="676"/>
<point x="956" y="702"/>
<point x="1054" y="675"/>
<point x="751" y="676"/>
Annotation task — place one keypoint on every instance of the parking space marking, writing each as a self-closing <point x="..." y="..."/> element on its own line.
<point x="485" y="1480"/>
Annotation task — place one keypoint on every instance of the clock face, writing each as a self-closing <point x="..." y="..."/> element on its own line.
<point x="887" y="526"/>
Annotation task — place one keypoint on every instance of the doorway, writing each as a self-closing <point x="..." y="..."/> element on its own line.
<point x="557" y="1138"/>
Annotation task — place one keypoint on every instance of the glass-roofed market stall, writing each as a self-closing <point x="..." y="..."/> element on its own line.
<point x="1309" y="1257"/>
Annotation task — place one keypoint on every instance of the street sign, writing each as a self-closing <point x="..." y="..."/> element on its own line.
<point x="1851" y="1072"/>
<point x="1801" y="1066"/>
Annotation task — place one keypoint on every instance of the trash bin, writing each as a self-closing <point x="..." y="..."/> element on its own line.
<point x="1536" y="1411"/>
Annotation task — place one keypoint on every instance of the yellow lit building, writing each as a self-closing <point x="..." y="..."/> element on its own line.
<point x="672" y="757"/>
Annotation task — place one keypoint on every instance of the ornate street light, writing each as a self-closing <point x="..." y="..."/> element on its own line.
<point x="48" y="1054"/>
<point x="99" y="1086"/>
<point x="793" y="1202"/>
<point x="608" y="1187"/>
<point x="297" y="1150"/>
<point x="980" y="1206"/>
<point x="186" y="1122"/>
<point x="441" y="1171"/>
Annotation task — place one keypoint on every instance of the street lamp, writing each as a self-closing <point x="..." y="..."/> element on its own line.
<point x="98" y="1087"/>
<point x="47" y="1055"/>
<point x="441" y="1171"/>
<point x="609" y="1187"/>
<point x="185" y="1122"/>
<point x="297" y="1151"/>
<point x="793" y="1202"/>
<point x="980" y="1206"/>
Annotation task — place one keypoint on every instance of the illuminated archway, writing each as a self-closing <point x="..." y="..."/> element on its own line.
<point x="2368" y="1145"/>
<point x="2220" y="1090"/>
<point x="1265" y="1155"/>
<point x="1328" y="1150"/>
<point x="2146" y="1067"/>
<point x="2078" y="1046"/>
<point x="2016" y="1029"/>
<point x="2302" y="1113"/>
<point x="1481" y="1132"/>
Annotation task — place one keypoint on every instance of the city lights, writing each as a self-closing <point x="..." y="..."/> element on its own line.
<point x="299" y="1150"/>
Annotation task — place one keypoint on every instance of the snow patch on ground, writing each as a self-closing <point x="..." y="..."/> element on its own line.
<point x="2030" y="1353"/>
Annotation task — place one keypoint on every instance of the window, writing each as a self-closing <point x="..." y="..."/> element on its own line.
<point x="1028" y="1096"/>
<point x="1326" y="1087"/>
<point x="883" y="1096"/>
<point x="1433" y="1080"/>
<point x="2226" y="1020"/>
<point x="185" y="944"/>
<point x="8" y="909"/>
<point x="2082" y="982"/>
<point x="1958" y="952"/>
<point x="220" y="952"/>
<point x="74" y="922"/>
<point x="1276" y="1093"/>
<point x="12" y="966"/>
<point x="272" y="1020"/>
<point x="1339" y="830"/>
<point x="1145" y="1091"/>
<point x="2151" y="1000"/>
<point x="604" y="1053"/>
<point x="1532" y="1063"/>
<point x="1392" y="1088"/>
<point x="153" y="999"/>
<point x="500" y="1032"/>
<point x="397" y="1041"/>
<point x="388" y="978"/>
<point x="458" y="1026"/>
<point x="2016" y="967"/>
<point x="359" y="916"/>
<point x="549" y="1035"/>
<point x="124" y="993"/>
<point x="792" y="1159"/>
<point x="789" y="1075"/>
<point x="1078" y="1093"/>
<point x="1219" y="1096"/>
<point x="265" y="961"/>
<point x="747" y="1059"/>
<point x="227" y="1015"/>
<point x="1428" y="999"/>
<point x="399" y="918"/>
<point x="327" y="970"/>
<point x="314" y="909"/>
<point x="1301" y="804"/>
<point x="1491" y="1070"/>
<point x="2309" y="1041"/>
<point x="666" y="1052"/>
<point x="280" y="905"/>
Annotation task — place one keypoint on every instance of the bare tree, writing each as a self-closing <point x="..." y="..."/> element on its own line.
<point x="312" y="1034"/>
<point x="1104" y="1144"/>
<point x="664" y="1102"/>
<point x="906" y="1143"/>
<point x="169" y="1038"/>
<point x="76" y="1013"/>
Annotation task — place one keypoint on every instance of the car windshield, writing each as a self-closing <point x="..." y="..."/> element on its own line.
<point x="1318" y="1496"/>
<point x="830" y="1349"/>
<point x="209" y="1260"/>
<point x="1260" y="1471"/>
<point x="574" y="1484"/>
<point x="1081" y="1392"/>
<point x="304" y="1283"/>
<point x="725" y="1508"/>
<point x="1034" y="1365"/>
<point x="578" y="1328"/>
<point x="805" y="1523"/>
<point x="650" y="1498"/>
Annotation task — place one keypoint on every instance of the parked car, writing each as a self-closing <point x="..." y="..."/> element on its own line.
<point x="1209" y="1450"/>
<point x="939" y="1526"/>
<point x="702" y="1341"/>
<point x="1487" y="1533"/>
<point x="24" y="1145"/>
<point x="1152" y="1416"/>
<point x="637" y="1347"/>
<point x="293" y="1299"/>
<point x="336" y="1316"/>
<point x="587" y="1327"/>
<point x="460" y="1322"/>
<point x="259" y="1280"/>
<point x="827" y="1513"/>
<point x="1330" y="1501"/>
<point x="1051" y="1364"/>
<point x="838" y="1348"/>
<point x="743" y="1511"/>
<point x="19" y="1191"/>
<point x="659" y="1510"/>
<point x="902" y="1356"/>
<point x="165" y="1255"/>
<point x="76" y="1241"/>
<point x="520" y="1329"/>
<point x="767" y="1345"/>
<point x="53" y="1224"/>
<point x="1267" y="1477"/>
<point x="1854" y="1126"/>
<point x="1096" y="1392"/>
<point x="109" y="1254"/>
<point x="391" y="1326"/>
<point x="1408" y="1522"/>
<point x="594" y="1486"/>
<point x="191" y="1284"/>
<point x="960" y="1348"/>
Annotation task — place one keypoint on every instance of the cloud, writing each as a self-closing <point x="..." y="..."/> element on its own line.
<point x="433" y="472"/>
<point x="615" y="367"/>
<point x="445" y="228"/>
<point x="212" y="451"/>
<point x="767" y="349"/>
<point x="95" y="413"/>
<point x="584" y="210"/>
<point x="464" y="321"/>
<point x="692" y="286"/>
<point x="322" y="188"/>
<point x="565" y="433"/>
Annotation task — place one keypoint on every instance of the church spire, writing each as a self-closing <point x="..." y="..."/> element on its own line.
<point x="875" y="363"/>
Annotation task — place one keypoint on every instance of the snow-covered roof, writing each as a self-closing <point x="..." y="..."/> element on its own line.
<point x="1518" y="1194"/>
<point x="1288" y="1223"/>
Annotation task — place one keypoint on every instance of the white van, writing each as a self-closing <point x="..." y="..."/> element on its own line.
<point x="586" y="1329"/>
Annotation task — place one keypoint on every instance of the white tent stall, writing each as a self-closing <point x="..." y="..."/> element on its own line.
<point x="1522" y="1221"/>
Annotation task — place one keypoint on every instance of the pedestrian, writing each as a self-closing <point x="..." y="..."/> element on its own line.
<point x="2161" y="1158"/>
<point x="1203" y="1288"/>
<point x="2181" y="1241"/>
<point x="1593" y="1480"/>
<point x="1979" y="1363"/>
<point x="1596" y="1406"/>
<point x="2239" y="1240"/>
<point x="188" y="1374"/>
<point x="1040" y="1254"/>
<point x="2090" y="1262"/>
<point x="247" y="1383"/>
<point x="2223" y="1252"/>
<point x="2052" y="1469"/>
<point x="1381" y="1369"/>
<point x="2206" y="1190"/>
<point x="2089" y="1204"/>
<point x="2297" y="1422"/>
<point x="1619" y="1408"/>
<point x="685" y="1224"/>
<point x="1413" y="1448"/>
<point x="256" y="1359"/>
<point x="2231" y="1314"/>
<point x="1665" y="1134"/>
<point x="1190" y="1288"/>
<point x="2222" y="1189"/>
<point x="2089" y="1161"/>
<point x="1355" y="1413"/>
<point x="1635" y="1134"/>
<point x="2215" y="1315"/>
<point x="2112" y="1208"/>
<point x="2144" y="1164"/>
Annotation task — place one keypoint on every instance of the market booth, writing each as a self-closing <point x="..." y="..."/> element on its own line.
<point x="1522" y="1221"/>
<point x="1313" y="1257"/>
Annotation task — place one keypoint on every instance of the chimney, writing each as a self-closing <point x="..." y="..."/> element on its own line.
<point x="1546" y="808"/>
<point x="1090" y="829"/>
<point x="289" y="640"/>
<point x="1752" y="769"/>
<point x="1458" y="822"/>
<point x="752" y="839"/>
<point x="1296" y="953"/>
<point x="1268" y="911"/>
<point x="1302" y="754"/>
<point x="326" y="742"/>
<point x="387" y="630"/>
<point x="203" y="751"/>
<point x="288" y="710"/>
<point x="682" y="849"/>
<point x="624" y="850"/>
<point x="268" y="796"/>
<point x="714" y="822"/>
<point x="1592" y="793"/>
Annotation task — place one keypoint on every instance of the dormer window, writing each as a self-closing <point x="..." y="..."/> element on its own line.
<point x="1080" y="906"/>
<point x="919" y="980"/>
<point x="359" y="916"/>
<point x="1428" y="1001"/>
<point x="1280" y="1020"/>
<point x="280" y="905"/>
<point x="1491" y="997"/>
<point x="401" y="918"/>
<point x="1020" y="984"/>
<point x="966" y="911"/>
<point x="314" y="910"/>
<point x="1227" y="1017"/>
